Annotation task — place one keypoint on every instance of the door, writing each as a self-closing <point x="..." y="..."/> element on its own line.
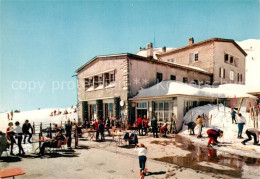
<point x="141" y="112"/>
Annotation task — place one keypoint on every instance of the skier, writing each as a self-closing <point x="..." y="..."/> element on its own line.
<point x="12" y="114"/>
<point x="213" y="135"/>
<point x="142" y="151"/>
<point x="26" y="127"/>
<point x="199" y="123"/>
<point x="252" y="132"/>
<point x="108" y="125"/>
<point x="191" y="125"/>
<point x="233" y="116"/>
<point x="8" y="116"/>
<point x="240" y="122"/>
<point x="154" y="127"/>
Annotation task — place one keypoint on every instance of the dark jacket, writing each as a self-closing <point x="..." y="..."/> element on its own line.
<point x="68" y="128"/>
<point x="26" y="128"/>
<point x="101" y="127"/>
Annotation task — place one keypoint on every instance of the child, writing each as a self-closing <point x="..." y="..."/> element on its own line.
<point x="164" y="128"/>
<point x="142" y="150"/>
<point x="191" y="125"/>
<point x="213" y="135"/>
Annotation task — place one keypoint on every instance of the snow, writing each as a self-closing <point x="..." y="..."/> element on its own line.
<point x="221" y="119"/>
<point x="143" y="52"/>
<point x="165" y="88"/>
<point x="252" y="48"/>
<point x="37" y="116"/>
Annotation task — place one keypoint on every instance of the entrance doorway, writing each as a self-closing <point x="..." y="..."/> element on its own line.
<point x="141" y="112"/>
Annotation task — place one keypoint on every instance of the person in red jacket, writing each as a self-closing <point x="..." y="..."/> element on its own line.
<point x="145" y="125"/>
<point x="139" y="123"/>
<point x="213" y="135"/>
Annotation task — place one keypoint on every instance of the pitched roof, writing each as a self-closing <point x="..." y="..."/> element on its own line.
<point x="201" y="43"/>
<point x="146" y="59"/>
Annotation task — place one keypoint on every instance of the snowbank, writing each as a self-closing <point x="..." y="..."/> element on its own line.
<point x="221" y="118"/>
<point x="38" y="116"/>
<point x="178" y="88"/>
<point x="252" y="48"/>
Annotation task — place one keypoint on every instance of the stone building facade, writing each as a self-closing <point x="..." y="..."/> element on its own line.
<point x="224" y="58"/>
<point x="107" y="84"/>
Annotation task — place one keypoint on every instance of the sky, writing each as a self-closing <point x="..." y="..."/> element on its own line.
<point x="43" y="43"/>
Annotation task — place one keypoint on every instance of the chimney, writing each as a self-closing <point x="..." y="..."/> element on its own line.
<point x="149" y="45"/>
<point x="191" y="41"/>
<point x="150" y="50"/>
<point x="164" y="49"/>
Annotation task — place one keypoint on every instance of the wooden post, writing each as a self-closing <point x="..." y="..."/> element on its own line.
<point x="76" y="138"/>
<point x="50" y="133"/>
<point x="33" y="128"/>
<point x="41" y="128"/>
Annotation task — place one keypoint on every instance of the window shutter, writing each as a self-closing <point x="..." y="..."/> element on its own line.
<point x="224" y="73"/>
<point x="220" y="72"/>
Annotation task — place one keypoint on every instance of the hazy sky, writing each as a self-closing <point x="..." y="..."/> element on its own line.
<point x="44" y="42"/>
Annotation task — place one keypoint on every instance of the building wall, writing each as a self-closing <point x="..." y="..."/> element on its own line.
<point x="119" y="89"/>
<point x="205" y="52"/>
<point x="220" y="49"/>
<point x="142" y="74"/>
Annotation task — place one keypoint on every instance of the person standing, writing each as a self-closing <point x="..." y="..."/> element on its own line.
<point x="139" y="123"/>
<point x="101" y="129"/>
<point x="241" y="120"/>
<point x="252" y="132"/>
<point x="12" y="114"/>
<point x="213" y="134"/>
<point x="108" y="125"/>
<point x="8" y="116"/>
<point x="199" y="123"/>
<point x="233" y="116"/>
<point x="68" y="130"/>
<point x="26" y="127"/>
<point x="10" y="136"/>
<point x="19" y="134"/>
<point x="142" y="151"/>
<point x="145" y="125"/>
<point x="154" y="127"/>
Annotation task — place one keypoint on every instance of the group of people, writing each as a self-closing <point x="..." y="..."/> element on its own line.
<point x="19" y="133"/>
<point x="213" y="134"/>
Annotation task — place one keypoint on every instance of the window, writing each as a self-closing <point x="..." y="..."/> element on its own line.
<point x="238" y="77"/>
<point x="162" y="110"/>
<point x="231" y="60"/>
<point x="226" y="57"/>
<point x="196" y="82"/>
<point x="171" y="60"/>
<point x="241" y="79"/>
<point x="91" y="82"/>
<point x="231" y="75"/>
<point x="87" y="83"/>
<point x="112" y="77"/>
<point x="95" y="81"/>
<point x="221" y="72"/>
<point x="159" y="77"/>
<point x="173" y="77"/>
<point x="142" y="105"/>
<point x="185" y="80"/>
<point x="196" y="57"/>
<point x="107" y="79"/>
<point x="100" y="80"/>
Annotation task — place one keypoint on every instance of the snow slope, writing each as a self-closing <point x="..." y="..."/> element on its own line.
<point x="221" y="119"/>
<point x="252" y="48"/>
<point x="38" y="116"/>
